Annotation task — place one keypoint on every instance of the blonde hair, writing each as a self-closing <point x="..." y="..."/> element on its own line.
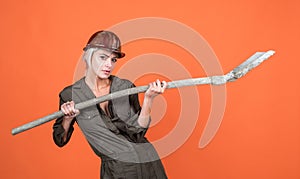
<point x="87" y="56"/>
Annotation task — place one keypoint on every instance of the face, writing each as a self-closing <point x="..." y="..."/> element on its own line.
<point x="103" y="63"/>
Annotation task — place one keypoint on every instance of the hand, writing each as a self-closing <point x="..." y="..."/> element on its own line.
<point x="156" y="88"/>
<point x="69" y="110"/>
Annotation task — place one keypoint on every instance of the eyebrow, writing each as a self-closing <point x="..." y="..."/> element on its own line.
<point x="108" y="55"/>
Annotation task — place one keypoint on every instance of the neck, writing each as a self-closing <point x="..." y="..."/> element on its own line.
<point x="96" y="83"/>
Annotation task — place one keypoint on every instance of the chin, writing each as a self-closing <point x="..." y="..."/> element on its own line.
<point x="103" y="76"/>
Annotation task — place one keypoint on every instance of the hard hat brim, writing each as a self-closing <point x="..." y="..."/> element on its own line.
<point x="116" y="51"/>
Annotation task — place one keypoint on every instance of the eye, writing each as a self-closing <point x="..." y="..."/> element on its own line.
<point x="103" y="57"/>
<point x="114" y="59"/>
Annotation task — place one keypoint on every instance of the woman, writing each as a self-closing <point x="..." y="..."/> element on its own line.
<point x="114" y="129"/>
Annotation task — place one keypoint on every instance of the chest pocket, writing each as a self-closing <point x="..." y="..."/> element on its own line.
<point x="88" y="114"/>
<point x="89" y="119"/>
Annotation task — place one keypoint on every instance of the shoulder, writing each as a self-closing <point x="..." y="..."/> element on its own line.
<point x="66" y="90"/>
<point x="66" y="93"/>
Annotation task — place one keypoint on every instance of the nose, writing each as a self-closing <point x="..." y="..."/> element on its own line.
<point x="108" y="62"/>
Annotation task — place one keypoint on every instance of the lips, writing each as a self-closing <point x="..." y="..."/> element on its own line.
<point x="106" y="71"/>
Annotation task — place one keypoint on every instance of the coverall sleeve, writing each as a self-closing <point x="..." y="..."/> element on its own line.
<point x="58" y="130"/>
<point x="133" y="128"/>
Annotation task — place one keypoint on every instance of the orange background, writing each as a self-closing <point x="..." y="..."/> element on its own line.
<point x="41" y="43"/>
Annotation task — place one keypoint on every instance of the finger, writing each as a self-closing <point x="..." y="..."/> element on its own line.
<point x="67" y="108"/>
<point x="150" y="87"/>
<point x="74" y="110"/>
<point x="63" y="109"/>
<point x="77" y="112"/>
<point x="159" y="88"/>
<point x="72" y="103"/>
<point x="158" y="83"/>
<point x="154" y="84"/>
<point x="70" y="108"/>
<point x="154" y="87"/>
<point x="164" y="86"/>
